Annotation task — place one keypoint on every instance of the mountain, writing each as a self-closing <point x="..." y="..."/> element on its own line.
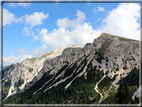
<point x="73" y="74"/>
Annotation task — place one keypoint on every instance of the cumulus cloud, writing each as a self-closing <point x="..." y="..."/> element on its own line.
<point x="123" y="21"/>
<point x="21" y="51"/>
<point x="9" y="17"/>
<point x="38" y="51"/>
<point x="33" y="20"/>
<point x="69" y="32"/>
<point x="36" y="18"/>
<point x="56" y="38"/>
<point x="28" y="32"/>
<point x="72" y="24"/>
<point x="100" y="9"/>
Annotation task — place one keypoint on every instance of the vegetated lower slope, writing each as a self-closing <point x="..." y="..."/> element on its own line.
<point x="133" y="82"/>
<point x="83" y="75"/>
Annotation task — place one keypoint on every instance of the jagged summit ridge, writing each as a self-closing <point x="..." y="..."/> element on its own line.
<point x="111" y="55"/>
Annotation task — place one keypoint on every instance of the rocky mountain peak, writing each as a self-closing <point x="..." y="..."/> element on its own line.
<point x="108" y="56"/>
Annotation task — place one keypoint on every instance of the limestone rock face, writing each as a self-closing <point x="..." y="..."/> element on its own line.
<point x="111" y="54"/>
<point x="29" y="71"/>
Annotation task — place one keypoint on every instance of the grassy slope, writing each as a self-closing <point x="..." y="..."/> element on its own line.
<point x="7" y="68"/>
<point x="122" y="38"/>
<point x="44" y="55"/>
<point x="32" y="60"/>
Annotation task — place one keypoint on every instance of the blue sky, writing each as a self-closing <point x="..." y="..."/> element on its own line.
<point x="31" y="29"/>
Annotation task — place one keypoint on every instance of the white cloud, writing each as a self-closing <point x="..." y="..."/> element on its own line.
<point x="80" y="16"/>
<point x="63" y="35"/>
<point x="66" y="23"/>
<point x="28" y="32"/>
<point x="38" y="51"/>
<point x="36" y="18"/>
<point x="9" y="17"/>
<point x="19" y="4"/>
<point x="122" y="21"/>
<point x="81" y="32"/>
<point x="100" y="9"/>
<point x="12" y="59"/>
<point x="33" y="20"/>
<point x="56" y="38"/>
<point x="21" y="51"/>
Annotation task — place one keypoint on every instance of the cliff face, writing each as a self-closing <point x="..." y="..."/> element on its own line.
<point x="17" y="77"/>
<point x="108" y="56"/>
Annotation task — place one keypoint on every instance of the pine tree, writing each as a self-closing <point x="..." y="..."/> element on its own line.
<point x="120" y="94"/>
<point x="127" y="93"/>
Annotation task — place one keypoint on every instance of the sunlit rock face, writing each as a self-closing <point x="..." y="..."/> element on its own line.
<point x="110" y="54"/>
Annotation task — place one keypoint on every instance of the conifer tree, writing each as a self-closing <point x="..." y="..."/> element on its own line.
<point x="127" y="93"/>
<point x="120" y="94"/>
